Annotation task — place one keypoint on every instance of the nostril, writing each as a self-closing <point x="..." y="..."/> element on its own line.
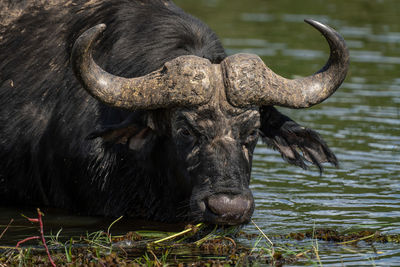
<point x="225" y="205"/>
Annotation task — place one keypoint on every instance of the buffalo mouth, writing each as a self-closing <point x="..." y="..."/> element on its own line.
<point x="226" y="209"/>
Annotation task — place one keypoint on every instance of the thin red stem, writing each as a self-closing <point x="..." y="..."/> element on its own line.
<point x="40" y="221"/>
<point x="43" y="239"/>
<point x="26" y="239"/>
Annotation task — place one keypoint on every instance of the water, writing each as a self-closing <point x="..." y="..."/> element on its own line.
<point x="361" y="122"/>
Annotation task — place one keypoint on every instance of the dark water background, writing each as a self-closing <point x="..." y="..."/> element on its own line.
<point x="361" y="122"/>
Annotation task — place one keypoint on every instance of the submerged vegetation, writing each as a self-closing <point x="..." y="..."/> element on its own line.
<point x="196" y="245"/>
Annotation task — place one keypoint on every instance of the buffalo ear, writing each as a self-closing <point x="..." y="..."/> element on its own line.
<point x="135" y="136"/>
<point x="296" y="143"/>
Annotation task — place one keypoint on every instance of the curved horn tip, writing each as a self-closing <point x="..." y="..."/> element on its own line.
<point x="99" y="28"/>
<point x="85" y="40"/>
<point x="318" y="25"/>
<point x="94" y="32"/>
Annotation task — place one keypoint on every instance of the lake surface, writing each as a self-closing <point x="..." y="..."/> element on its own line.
<point x="360" y="122"/>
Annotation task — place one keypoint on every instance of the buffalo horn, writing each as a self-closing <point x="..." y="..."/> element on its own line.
<point x="249" y="82"/>
<point x="183" y="81"/>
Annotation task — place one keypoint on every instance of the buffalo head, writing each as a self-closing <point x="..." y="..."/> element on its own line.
<point x="211" y="116"/>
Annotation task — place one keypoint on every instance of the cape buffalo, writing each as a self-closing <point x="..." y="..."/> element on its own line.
<point x="133" y="107"/>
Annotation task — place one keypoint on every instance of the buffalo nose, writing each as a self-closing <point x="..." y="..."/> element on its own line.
<point x="230" y="209"/>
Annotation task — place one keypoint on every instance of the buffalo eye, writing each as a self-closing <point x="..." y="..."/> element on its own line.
<point x="186" y="134"/>
<point x="252" y="137"/>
